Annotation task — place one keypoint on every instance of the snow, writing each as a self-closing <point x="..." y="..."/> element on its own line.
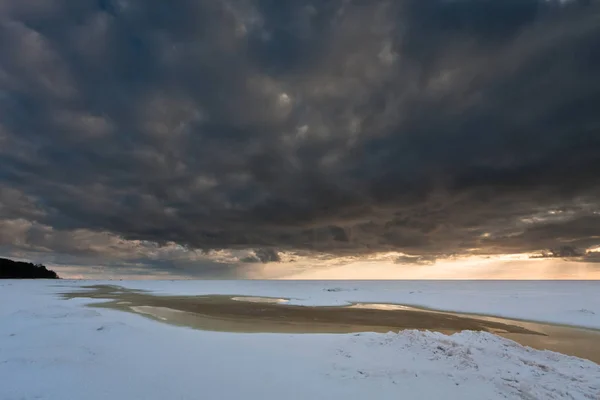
<point x="55" y="349"/>
<point x="574" y="303"/>
<point x="466" y="359"/>
<point x="268" y="300"/>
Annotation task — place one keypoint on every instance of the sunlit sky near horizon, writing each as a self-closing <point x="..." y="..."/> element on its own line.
<point x="506" y="267"/>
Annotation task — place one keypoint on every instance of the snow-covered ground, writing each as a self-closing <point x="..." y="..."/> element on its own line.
<point x="59" y="349"/>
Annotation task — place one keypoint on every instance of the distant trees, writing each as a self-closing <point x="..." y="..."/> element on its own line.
<point x="10" y="269"/>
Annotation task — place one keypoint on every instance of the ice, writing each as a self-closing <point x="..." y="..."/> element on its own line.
<point x="55" y="349"/>
<point x="256" y="299"/>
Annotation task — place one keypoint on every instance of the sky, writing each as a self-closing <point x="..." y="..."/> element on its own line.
<point x="438" y="139"/>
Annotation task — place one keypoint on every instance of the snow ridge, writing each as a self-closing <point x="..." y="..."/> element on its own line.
<point x="467" y="358"/>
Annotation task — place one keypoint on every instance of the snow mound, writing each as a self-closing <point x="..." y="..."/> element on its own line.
<point x="467" y="358"/>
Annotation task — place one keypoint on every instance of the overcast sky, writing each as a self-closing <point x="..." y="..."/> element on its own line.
<point x="269" y="138"/>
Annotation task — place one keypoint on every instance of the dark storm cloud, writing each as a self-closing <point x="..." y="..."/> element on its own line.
<point x="347" y="127"/>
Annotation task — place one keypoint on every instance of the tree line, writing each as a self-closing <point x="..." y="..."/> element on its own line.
<point x="10" y="269"/>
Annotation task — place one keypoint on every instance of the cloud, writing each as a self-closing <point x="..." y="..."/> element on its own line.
<point x="335" y="127"/>
<point x="262" y="255"/>
<point x="571" y="253"/>
<point x="560" y="252"/>
<point x="418" y="260"/>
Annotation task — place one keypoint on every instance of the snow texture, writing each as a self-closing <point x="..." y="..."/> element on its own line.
<point x="56" y="349"/>
<point x="470" y="359"/>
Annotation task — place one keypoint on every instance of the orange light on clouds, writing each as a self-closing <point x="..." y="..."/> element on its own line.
<point x="509" y="267"/>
